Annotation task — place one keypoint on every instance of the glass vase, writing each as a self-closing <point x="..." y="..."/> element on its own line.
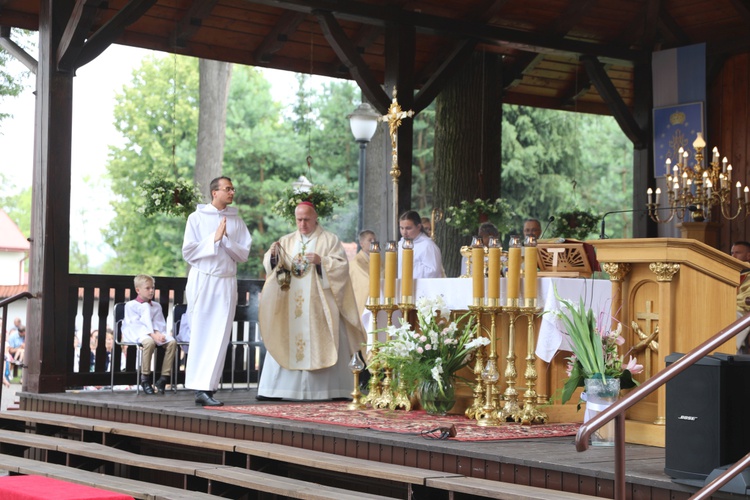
<point x="437" y="399"/>
<point x="601" y="393"/>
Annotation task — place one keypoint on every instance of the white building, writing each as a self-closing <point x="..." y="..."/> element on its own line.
<point x="14" y="250"/>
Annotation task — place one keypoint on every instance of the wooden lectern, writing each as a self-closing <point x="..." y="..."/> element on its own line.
<point x="670" y="294"/>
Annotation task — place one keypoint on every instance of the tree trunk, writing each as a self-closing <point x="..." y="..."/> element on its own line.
<point x="468" y="149"/>
<point x="215" y="77"/>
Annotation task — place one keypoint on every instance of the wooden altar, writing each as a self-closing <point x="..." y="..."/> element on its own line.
<point x="549" y="364"/>
<point x="670" y="294"/>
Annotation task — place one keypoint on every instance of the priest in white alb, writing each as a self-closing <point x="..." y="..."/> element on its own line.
<point x="428" y="261"/>
<point x="216" y="239"/>
<point x="311" y="329"/>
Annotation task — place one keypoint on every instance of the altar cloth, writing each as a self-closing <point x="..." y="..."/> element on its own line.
<point x="457" y="292"/>
<point x="46" y="488"/>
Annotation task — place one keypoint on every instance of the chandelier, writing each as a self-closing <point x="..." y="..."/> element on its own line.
<point x="698" y="189"/>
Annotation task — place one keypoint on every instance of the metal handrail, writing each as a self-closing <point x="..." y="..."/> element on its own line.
<point x="617" y="411"/>
<point x="4" y="305"/>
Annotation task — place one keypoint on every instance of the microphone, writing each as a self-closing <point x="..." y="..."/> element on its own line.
<point x="549" y="221"/>
<point x="602" y="235"/>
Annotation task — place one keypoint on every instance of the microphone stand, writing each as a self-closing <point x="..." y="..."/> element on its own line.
<point x="602" y="235"/>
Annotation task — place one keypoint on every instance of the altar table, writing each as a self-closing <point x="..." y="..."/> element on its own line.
<point x="46" y="488"/>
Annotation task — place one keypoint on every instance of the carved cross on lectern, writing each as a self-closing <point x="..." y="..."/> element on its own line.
<point x="648" y="341"/>
<point x="394" y="117"/>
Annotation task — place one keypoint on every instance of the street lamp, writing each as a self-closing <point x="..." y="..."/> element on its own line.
<point x="363" y="122"/>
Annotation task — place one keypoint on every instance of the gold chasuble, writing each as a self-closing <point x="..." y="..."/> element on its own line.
<point x="300" y="326"/>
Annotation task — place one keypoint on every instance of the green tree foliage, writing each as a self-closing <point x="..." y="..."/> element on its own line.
<point x="557" y="161"/>
<point x="157" y="114"/>
<point x="12" y="84"/>
<point x="264" y="153"/>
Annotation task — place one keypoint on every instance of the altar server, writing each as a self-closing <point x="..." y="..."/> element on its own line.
<point x="428" y="261"/>
<point x="312" y="329"/>
<point x="215" y="240"/>
<point x="359" y="269"/>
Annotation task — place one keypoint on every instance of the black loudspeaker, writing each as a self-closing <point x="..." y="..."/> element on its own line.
<point x="707" y="409"/>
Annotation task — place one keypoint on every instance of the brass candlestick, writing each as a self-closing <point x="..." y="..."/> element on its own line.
<point x="356" y="366"/>
<point x="478" y="404"/>
<point x="511" y="408"/>
<point x="530" y="413"/>
<point x="491" y="414"/>
<point x="373" y="387"/>
<point x="385" y="400"/>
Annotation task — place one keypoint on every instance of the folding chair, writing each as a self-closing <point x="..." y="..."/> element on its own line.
<point x="248" y="313"/>
<point x="119" y="318"/>
<point x="177" y="312"/>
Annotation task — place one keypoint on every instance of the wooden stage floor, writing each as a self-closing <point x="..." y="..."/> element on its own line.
<point x="549" y="462"/>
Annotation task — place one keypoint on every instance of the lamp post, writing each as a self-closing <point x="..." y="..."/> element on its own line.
<point x="363" y="122"/>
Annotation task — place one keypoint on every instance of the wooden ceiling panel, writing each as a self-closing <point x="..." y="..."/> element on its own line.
<point x="541" y="41"/>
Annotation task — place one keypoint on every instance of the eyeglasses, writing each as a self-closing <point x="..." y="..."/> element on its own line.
<point x="227" y="189"/>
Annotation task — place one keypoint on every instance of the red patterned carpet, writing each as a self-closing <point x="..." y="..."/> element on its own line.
<point x="413" y="422"/>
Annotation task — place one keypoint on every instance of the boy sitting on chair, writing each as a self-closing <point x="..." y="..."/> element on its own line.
<point x="144" y="323"/>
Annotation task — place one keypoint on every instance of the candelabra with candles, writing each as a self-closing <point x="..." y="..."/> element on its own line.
<point x="698" y="187"/>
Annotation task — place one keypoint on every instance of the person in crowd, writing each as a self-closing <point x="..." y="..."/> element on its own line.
<point x="427" y="226"/>
<point x="359" y="269"/>
<point x="17" y="344"/>
<point x="428" y="261"/>
<point x="216" y="240"/>
<point x="532" y="227"/>
<point x="93" y="345"/>
<point x="312" y="329"/>
<point x="485" y="231"/>
<point x="144" y="323"/>
<point x="741" y="251"/>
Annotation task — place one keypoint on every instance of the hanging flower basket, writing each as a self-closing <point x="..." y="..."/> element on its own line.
<point x="323" y="200"/>
<point x="576" y="224"/>
<point x="172" y="198"/>
<point x="468" y="215"/>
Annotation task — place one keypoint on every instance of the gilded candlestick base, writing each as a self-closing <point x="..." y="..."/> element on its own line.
<point x="386" y="393"/>
<point x="356" y="403"/>
<point x="401" y="399"/>
<point x="491" y="413"/>
<point x="373" y="387"/>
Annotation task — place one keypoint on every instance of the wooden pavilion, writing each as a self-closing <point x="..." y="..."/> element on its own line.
<point x="585" y="55"/>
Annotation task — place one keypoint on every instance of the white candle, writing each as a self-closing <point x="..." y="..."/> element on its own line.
<point x="747" y="195"/>
<point x="708" y="188"/>
<point x="729" y="173"/>
<point x="658" y="192"/>
<point x="679" y="156"/>
<point x="739" y="189"/>
<point x="724" y="164"/>
<point x="650" y="193"/>
<point x="667" y="164"/>
<point x="716" y="154"/>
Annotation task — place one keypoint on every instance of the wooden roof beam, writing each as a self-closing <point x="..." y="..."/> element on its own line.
<point x="348" y="54"/>
<point x="76" y="31"/>
<point x="288" y="23"/>
<point x="670" y="30"/>
<point x="188" y="25"/>
<point x="16" y="50"/>
<point x="513" y="74"/>
<point x="112" y="30"/>
<point x="742" y="8"/>
<point x="579" y="87"/>
<point x="616" y="105"/>
<point x="462" y="29"/>
<point x="439" y="78"/>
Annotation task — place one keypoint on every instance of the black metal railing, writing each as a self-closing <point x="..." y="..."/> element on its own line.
<point x="617" y="411"/>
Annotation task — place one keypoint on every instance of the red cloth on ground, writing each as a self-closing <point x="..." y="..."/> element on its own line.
<point x="46" y="488"/>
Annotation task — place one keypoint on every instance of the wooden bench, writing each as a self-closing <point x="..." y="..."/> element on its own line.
<point x="423" y="479"/>
<point x="486" y="488"/>
<point x="257" y="481"/>
<point x="136" y="489"/>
